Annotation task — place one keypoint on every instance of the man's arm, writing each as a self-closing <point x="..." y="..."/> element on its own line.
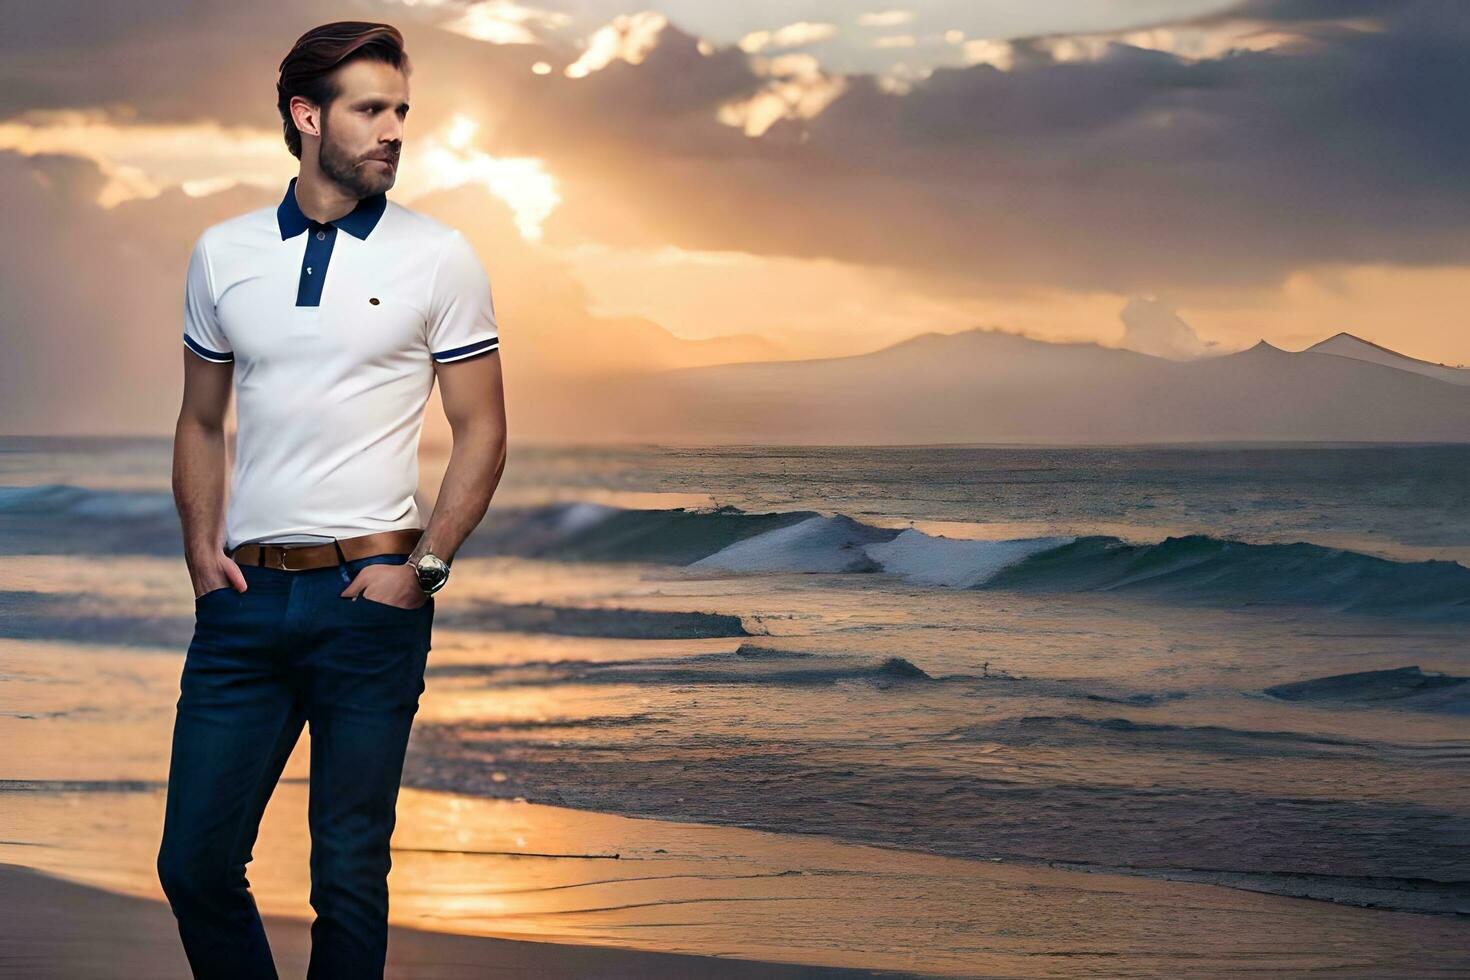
<point x="474" y="403"/>
<point x="199" y="472"/>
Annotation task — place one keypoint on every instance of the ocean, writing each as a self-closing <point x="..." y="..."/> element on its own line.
<point x="1239" y="665"/>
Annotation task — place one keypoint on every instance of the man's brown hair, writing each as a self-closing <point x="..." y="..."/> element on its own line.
<point x="307" y="70"/>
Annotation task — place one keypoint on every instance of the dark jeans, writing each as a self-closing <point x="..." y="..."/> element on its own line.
<point x="263" y="663"/>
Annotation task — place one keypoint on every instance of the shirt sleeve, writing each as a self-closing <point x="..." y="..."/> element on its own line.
<point x="202" y="331"/>
<point x="461" y="320"/>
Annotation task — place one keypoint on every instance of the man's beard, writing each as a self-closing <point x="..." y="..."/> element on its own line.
<point x="343" y="169"/>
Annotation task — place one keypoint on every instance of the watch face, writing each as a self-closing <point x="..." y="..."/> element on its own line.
<point x="432" y="572"/>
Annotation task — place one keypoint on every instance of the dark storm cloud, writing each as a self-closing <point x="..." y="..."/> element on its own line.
<point x="1134" y="172"/>
<point x="1140" y="168"/>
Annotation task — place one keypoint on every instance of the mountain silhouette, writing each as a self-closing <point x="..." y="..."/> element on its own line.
<point x="984" y="385"/>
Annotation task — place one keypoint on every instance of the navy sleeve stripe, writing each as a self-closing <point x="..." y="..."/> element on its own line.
<point x="219" y="357"/>
<point x="458" y="353"/>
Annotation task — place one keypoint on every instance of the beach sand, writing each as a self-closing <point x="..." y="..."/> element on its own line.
<point x="56" y="928"/>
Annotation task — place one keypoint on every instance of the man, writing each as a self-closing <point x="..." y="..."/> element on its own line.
<point x="330" y="316"/>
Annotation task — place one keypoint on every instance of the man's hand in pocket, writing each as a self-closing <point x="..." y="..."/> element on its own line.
<point x="215" y="571"/>
<point x="390" y="584"/>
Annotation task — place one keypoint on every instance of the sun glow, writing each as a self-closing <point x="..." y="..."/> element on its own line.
<point x="142" y="160"/>
<point x="450" y="160"/>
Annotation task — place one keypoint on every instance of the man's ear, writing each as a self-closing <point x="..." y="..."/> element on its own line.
<point x="304" y="114"/>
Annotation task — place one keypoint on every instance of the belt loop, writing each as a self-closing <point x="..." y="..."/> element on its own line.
<point x="260" y="555"/>
<point x="341" y="562"/>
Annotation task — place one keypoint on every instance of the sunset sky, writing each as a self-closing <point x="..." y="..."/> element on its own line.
<point x="773" y="179"/>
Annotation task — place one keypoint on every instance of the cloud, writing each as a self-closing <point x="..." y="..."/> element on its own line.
<point x="885" y="18"/>
<point x="794" y="35"/>
<point x="1134" y="169"/>
<point x="1198" y="158"/>
<point x="1153" y="327"/>
<point x="629" y="37"/>
<point x="795" y="88"/>
<point x="504" y="22"/>
<point x="140" y="159"/>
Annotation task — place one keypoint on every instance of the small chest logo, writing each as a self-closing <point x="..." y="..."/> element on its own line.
<point x="373" y="301"/>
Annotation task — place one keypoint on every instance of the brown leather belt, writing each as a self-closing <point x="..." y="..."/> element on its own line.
<point x="299" y="557"/>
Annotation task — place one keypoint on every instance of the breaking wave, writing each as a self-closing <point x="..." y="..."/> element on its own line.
<point x="1193" y="568"/>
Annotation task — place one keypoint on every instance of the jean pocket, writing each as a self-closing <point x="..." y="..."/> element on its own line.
<point x="362" y="599"/>
<point x="214" y="592"/>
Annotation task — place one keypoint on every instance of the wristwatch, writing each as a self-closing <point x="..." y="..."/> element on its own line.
<point x="433" y="572"/>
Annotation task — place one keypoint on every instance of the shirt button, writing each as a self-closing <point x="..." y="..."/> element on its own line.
<point x="321" y="235"/>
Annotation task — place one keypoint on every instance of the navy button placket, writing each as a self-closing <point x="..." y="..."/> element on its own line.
<point x="317" y="257"/>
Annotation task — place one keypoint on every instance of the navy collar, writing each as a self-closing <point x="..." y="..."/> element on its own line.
<point x="359" y="222"/>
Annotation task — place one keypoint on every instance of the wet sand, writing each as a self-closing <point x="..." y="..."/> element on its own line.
<point x="56" y="928"/>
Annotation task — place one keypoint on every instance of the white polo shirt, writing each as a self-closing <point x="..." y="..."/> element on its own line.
<point x="334" y="338"/>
